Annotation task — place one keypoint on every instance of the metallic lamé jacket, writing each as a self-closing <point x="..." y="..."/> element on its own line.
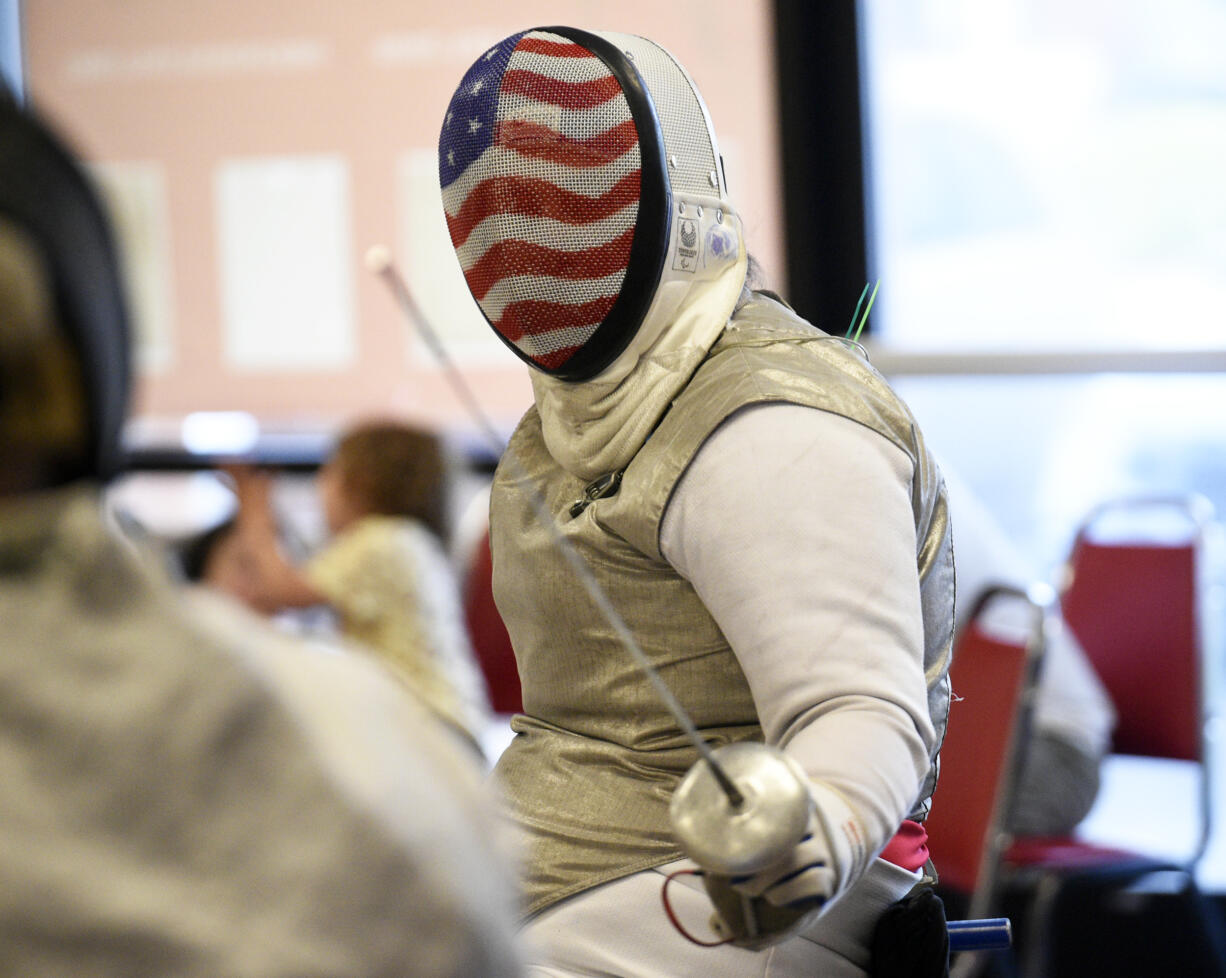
<point x="590" y="773"/>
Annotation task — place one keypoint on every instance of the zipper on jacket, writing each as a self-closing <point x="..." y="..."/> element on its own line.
<point x="606" y="485"/>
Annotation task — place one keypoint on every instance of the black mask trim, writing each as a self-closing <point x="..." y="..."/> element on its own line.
<point x="649" y="248"/>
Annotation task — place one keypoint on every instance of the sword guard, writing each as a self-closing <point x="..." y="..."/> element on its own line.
<point x="740" y="839"/>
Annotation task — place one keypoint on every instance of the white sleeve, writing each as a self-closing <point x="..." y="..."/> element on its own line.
<point x="796" y="530"/>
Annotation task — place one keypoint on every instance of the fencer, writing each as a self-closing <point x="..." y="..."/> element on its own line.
<point x="187" y="791"/>
<point x="749" y="492"/>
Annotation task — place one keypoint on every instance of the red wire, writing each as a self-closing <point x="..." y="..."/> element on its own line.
<point x="672" y="917"/>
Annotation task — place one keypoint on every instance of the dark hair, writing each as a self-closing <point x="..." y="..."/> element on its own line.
<point x="395" y="469"/>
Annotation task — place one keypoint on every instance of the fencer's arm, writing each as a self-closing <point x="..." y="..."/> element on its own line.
<point x="795" y="528"/>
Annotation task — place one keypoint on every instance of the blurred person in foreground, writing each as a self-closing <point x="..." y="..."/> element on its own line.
<point x="384" y="570"/>
<point x="184" y="790"/>
<point x="751" y="495"/>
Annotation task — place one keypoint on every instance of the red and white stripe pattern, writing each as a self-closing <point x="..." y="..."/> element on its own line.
<point x="543" y="216"/>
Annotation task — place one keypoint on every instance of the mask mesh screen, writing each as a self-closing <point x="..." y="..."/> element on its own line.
<point x="540" y="167"/>
<point x="683" y="120"/>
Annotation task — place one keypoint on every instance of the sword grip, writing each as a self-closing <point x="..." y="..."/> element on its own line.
<point x="751" y="922"/>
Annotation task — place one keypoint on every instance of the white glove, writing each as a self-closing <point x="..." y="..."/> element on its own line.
<point x="803" y="875"/>
<point x="782" y="899"/>
<point x="821" y="865"/>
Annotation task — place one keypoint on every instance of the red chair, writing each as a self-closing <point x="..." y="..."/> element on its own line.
<point x="488" y="634"/>
<point x="993" y="678"/>
<point x="1137" y="608"/>
<point x="1133" y="592"/>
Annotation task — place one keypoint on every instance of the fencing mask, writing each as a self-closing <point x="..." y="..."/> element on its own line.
<point x="64" y="357"/>
<point x="585" y="197"/>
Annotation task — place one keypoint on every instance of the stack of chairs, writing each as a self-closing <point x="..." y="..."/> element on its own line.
<point x="1141" y="591"/>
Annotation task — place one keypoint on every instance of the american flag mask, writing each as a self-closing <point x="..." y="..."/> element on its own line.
<point x="575" y="167"/>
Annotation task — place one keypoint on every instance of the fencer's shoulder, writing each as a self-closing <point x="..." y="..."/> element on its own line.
<point x="316" y="679"/>
<point x="765" y="330"/>
<point x="769" y="352"/>
<point x="768" y="314"/>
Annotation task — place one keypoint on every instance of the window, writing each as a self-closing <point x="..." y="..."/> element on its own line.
<point x="1047" y="220"/>
<point x="1047" y="173"/>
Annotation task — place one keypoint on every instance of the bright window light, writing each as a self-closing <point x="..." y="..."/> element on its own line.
<point x="1047" y="175"/>
<point x="220" y="432"/>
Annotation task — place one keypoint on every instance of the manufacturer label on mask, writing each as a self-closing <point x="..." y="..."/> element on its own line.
<point x="685" y="257"/>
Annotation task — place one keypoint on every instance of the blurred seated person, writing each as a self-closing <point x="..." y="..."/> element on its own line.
<point x="1073" y="717"/>
<point x="384" y="571"/>
<point x="186" y="791"/>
